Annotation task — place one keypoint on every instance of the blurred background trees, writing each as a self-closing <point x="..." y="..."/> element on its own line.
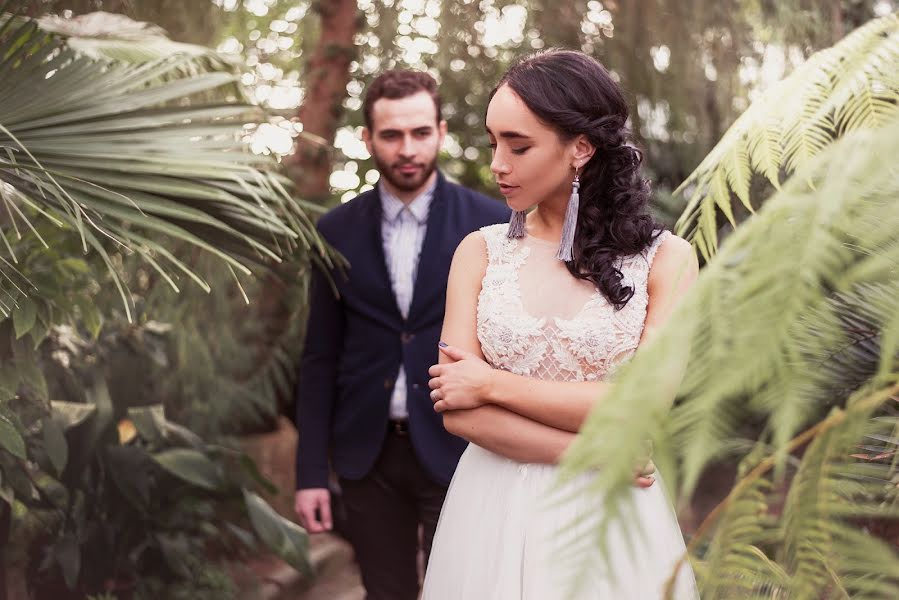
<point x="689" y="67"/>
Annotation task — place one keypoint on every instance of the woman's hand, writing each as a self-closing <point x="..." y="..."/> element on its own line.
<point x="461" y="384"/>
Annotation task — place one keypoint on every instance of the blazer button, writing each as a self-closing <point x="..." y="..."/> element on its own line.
<point x="416" y="386"/>
<point x="405" y="338"/>
<point x="388" y="383"/>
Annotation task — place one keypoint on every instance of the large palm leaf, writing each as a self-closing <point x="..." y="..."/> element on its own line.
<point x="770" y="332"/>
<point x="125" y="155"/>
<point x="853" y="85"/>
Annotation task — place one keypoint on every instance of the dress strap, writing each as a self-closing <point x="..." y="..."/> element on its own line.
<point x="497" y="242"/>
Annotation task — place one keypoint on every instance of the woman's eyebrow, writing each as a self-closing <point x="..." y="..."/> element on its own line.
<point x="510" y="135"/>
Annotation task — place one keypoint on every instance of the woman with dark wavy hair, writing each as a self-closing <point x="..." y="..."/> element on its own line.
<point x="539" y="313"/>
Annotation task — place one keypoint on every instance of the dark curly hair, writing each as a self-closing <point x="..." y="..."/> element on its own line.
<point x="574" y="94"/>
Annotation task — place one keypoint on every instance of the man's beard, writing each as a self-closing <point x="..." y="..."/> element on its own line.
<point x="401" y="182"/>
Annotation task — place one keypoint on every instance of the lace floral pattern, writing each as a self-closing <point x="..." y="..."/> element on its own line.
<point x="516" y="342"/>
<point x="588" y="346"/>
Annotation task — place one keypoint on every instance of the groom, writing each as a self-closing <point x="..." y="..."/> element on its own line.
<point x="362" y="396"/>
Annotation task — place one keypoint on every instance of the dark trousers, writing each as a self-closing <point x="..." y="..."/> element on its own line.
<point x="384" y="510"/>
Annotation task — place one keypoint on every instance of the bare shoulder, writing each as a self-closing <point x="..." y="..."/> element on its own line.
<point x="675" y="264"/>
<point x="676" y="247"/>
<point x="471" y="254"/>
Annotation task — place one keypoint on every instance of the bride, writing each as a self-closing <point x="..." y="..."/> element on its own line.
<point x="539" y="313"/>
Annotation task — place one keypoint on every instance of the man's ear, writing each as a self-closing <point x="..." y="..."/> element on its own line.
<point x="441" y="132"/>
<point x="366" y="137"/>
<point x="582" y="150"/>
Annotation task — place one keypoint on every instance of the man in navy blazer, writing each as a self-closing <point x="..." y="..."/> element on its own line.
<point x="363" y="407"/>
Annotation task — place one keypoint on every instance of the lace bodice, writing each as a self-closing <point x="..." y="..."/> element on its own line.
<point x="535" y="319"/>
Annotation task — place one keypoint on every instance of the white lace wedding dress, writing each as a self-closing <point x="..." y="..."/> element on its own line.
<point x="506" y="532"/>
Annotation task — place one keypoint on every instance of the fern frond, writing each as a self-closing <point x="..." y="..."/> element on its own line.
<point x="850" y="86"/>
<point x="767" y="319"/>
<point x="822" y="550"/>
<point x="738" y="564"/>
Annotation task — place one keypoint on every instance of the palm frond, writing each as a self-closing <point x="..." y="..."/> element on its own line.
<point x="853" y="85"/>
<point x="124" y="153"/>
<point x="825" y="242"/>
<point x="109" y="36"/>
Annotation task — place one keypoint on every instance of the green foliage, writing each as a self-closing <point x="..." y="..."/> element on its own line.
<point x="851" y="86"/>
<point x="771" y="333"/>
<point x="231" y="365"/>
<point x="124" y="152"/>
<point x="120" y="167"/>
<point x="138" y="497"/>
<point x="207" y="582"/>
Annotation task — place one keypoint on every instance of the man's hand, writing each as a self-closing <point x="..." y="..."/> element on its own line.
<point x="313" y="507"/>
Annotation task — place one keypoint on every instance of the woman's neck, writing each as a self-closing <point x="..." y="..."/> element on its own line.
<point x="546" y="220"/>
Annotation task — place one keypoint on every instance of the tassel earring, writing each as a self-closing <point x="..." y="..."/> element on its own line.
<point x="516" y="225"/>
<point x="574" y="201"/>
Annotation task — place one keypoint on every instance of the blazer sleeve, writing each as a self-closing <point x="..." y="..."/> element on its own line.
<point x="316" y="390"/>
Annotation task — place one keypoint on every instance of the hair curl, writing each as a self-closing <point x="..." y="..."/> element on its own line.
<point x="574" y="94"/>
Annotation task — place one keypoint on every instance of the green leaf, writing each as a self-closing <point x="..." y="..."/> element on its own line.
<point x="130" y="469"/>
<point x="10" y="439"/>
<point x="176" y="433"/>
<point x="253" y="469"/>
<point x="9" y="381"/>
<point x="16" y="479"/>
<point x="55" y="444"/>
<point x="71" y="414"/>
<point x="149" y="421"/>
<point x="24" y="317"/>
<point x="176" y="552"/>
<point x="74" y="265"/>
<point x="68" y="556"/>
<point x="90" y="316"/>
<point x="283" y="537"/>
<point x="192" y="466"/>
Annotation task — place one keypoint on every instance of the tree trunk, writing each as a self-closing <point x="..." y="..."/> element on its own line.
<point x="836" y="19"/>
<point x="326" y="78"/>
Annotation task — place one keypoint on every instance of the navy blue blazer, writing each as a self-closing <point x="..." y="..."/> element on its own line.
<point x="356" y="342"/>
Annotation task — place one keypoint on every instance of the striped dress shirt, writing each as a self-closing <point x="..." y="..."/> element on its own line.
<point x="403" y="228"/>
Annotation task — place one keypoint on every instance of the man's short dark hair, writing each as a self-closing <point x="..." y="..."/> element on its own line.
<point x="397" y="84"/>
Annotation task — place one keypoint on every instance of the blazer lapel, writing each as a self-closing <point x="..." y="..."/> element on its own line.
<point x="430" y="279"/>
<point x="374" y="272"/>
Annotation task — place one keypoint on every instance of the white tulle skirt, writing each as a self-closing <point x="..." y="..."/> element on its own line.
<point x="507" y="533"/>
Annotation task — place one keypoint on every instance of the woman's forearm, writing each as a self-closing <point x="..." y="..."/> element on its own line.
<point x="557" y="404"/>
<point x="509" y="434"/>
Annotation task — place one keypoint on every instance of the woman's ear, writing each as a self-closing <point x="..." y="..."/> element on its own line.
<point x="582" y="151"/>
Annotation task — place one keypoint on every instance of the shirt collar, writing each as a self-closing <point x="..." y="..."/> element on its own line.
<point x="393" y="206"/>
